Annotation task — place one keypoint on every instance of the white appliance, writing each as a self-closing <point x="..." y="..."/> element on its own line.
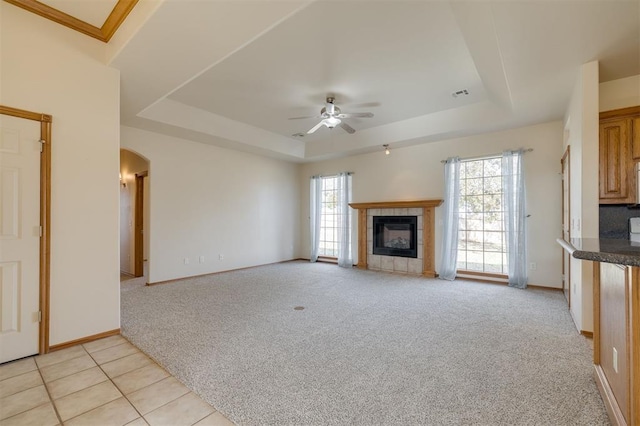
<point x="634" y="229"/>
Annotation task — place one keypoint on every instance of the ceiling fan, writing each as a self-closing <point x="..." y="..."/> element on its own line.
<point x="332" y="117"/>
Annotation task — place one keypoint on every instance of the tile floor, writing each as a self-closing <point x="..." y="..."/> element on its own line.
<point x="105" y="382"/>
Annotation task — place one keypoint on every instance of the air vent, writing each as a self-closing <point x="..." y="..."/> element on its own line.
<point x="463" y="92"/>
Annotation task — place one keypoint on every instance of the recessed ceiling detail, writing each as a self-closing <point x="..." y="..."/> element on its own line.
<point x="231" y="73"/>
<point x="289" y="70"/>
<point x="99" y="19"/>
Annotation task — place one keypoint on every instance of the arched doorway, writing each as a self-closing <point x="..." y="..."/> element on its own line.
<point x="134" y="216"/>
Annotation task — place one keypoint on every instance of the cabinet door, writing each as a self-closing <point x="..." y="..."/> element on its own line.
<point x="616" y="165"/>
<point x="635" y="137"/>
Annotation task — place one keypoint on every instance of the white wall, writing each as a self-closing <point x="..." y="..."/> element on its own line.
<point x="51" y="69"/>
<point x="415" y="172"/>
<point x="621" y="93"/>
<point x="582" y="125"/>
<point x="210" y="201"/>
<point x="130" y="164"/>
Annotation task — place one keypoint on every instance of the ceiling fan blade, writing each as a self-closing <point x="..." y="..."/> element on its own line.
<point x="303" y="118"/>
<point x="365" y="105"/>
<point x="356" y="115"/>
<point x="347" y="128"/>
<point x="316" y="127"/>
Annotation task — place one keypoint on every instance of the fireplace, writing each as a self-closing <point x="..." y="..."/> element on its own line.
<point x="424" y="262"/>
<point x="395" y="236"/>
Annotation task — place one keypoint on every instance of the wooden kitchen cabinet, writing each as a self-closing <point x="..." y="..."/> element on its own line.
<point x="617" y="183"/>
<point x="616" y="340"/>
<point x="619" y="150"/>
<point x="635" y="137"/>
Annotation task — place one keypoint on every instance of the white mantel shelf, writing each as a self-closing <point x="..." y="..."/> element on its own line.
<point x="428" y="229"/>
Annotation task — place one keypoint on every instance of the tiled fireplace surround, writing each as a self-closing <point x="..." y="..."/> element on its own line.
<point x="424" y="210"/>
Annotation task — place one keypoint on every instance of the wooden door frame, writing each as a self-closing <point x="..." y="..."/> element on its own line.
<point x="566" y="269"/>
<point x="45" y="216"/>
<point x="138" y="227"/>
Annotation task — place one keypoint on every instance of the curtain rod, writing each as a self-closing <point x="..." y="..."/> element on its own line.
<point x="323" y="176"/>
<point x="488" y="156"/>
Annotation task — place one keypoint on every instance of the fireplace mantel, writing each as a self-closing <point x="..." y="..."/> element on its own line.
<point x="396" y="204"/>
<point x="428" y="229"/>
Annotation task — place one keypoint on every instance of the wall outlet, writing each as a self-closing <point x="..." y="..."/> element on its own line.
<point x="221" y="257"/>
<point x="533" y="266"/>
<point x="201" y="260"/>
<point x="615" y="360"/>
<point x="186" y="260"/>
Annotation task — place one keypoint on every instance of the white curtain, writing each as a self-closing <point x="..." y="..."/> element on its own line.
<point x="513" y="200"/>
<point x="315" y="206"/>
<point x="449" y="251"/>
<point x="345" y="259"/>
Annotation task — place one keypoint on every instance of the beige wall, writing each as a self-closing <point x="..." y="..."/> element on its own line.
<point x="210" y="201"/>
<point x="51" y="69"/>
<point x="621" y="93"/>
<point x="416" y="173"/>
<point x="582" y="130"/>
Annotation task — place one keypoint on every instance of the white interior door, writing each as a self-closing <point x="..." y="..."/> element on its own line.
<point x="19" y="237"/>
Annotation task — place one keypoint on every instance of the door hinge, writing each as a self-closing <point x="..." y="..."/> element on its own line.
<point x="40" y="231"/>
<point x="42" y="142"/>
<point x="39" y="316"/>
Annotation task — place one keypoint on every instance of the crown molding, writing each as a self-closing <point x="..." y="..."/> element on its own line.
<point x="119" y="13"/>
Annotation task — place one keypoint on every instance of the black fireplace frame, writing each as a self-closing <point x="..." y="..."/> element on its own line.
<point x="379" y="223"/>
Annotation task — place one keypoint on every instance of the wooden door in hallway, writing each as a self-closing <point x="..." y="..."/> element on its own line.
<point x="20" y="231"/>
<point x="139" y="225"/>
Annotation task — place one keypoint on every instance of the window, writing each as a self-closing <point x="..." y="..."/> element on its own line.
<point x="481" y="235"/>
<point x="330" y="217"/>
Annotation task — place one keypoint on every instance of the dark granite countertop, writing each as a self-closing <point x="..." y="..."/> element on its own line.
<point x="622" y="252"/>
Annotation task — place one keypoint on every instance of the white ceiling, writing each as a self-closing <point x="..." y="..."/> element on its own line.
<point x="232" y="73"/>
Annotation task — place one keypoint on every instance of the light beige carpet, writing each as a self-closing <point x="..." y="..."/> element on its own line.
<point x="368" y="348"/>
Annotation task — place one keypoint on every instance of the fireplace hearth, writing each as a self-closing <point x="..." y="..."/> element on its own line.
<point x="395" y="236"/>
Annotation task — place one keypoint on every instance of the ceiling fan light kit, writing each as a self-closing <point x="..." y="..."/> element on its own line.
<point x="332" y="116"/>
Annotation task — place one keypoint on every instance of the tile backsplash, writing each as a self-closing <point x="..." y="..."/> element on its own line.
<point x="614" y="221"/>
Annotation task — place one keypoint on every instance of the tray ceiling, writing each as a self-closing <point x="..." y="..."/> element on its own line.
<point x="232" y="73"/>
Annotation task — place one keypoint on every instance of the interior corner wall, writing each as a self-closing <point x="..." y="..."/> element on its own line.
<point x="51" y="69"/>
<point x="415" y="172"/>
<point x="582" y="125"/>
<point x="231" y="208"/>
<point x="621" y="93"/>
